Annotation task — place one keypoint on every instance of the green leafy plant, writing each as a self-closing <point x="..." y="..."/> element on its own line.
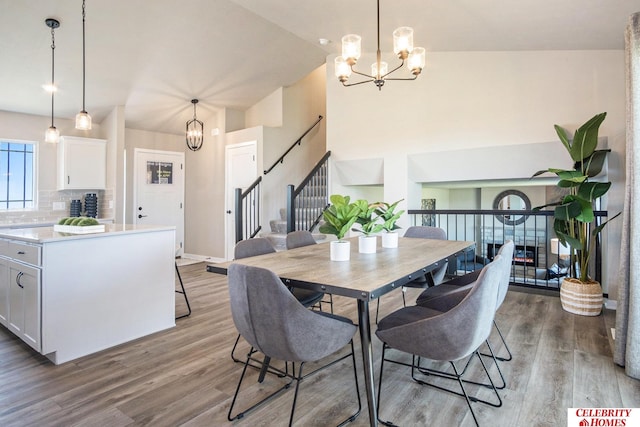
<point x="389" y="217"/>
<point x="574" y="214"/>
<point x="368" y="217"/>
<point x="339" y="216"/>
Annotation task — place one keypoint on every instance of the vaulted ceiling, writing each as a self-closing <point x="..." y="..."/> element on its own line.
<point x="154" y="56"/>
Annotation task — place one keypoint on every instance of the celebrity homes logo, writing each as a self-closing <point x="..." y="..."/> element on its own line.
<point x="603" y="417"/>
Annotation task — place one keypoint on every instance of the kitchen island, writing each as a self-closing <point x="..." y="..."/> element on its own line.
<point x="70" y="295"/>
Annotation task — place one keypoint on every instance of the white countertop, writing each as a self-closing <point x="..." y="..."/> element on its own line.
<point x="46" y="234"/>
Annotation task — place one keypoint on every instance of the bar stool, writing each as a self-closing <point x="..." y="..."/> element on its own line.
<point x="183" y="292"/>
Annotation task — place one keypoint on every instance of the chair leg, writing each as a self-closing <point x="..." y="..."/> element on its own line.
<point x="235" y="396"/>
<point x="502" y="359"/>
<point x="183" y="292"/>
<point x="382" y="359"/>
<point x="464" y="392"/>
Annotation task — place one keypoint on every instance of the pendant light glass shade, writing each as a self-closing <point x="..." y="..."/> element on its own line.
<point x="83" y="119"/>
<point x="52" y="134"/>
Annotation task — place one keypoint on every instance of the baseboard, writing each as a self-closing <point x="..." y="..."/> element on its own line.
<point x="203" y="258"/>
<point x="610" y="304"/>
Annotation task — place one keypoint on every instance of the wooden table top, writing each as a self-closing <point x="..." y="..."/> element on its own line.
<point x="364" y="276"/>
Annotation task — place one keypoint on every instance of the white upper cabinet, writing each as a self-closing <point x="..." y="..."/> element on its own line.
<point x="82" y="163"/>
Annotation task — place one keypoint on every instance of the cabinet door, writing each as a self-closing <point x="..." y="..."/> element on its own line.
<point x="24" y="303"/>
<point x="82" y="163"/>
<point x="4" y="291"/>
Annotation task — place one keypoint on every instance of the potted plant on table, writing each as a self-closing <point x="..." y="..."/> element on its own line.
<point x="369" y="225"/>
<point x="389" y="217"/>
<point x="574" y="215"/>
<point x="339" y="218"/>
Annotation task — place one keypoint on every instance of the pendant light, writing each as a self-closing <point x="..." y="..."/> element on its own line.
<point x="195" y="130"/>
<point x="52" y="134"/>
<point x="83" y="119"/>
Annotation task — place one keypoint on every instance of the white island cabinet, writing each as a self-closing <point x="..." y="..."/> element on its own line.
<point x="70" y="295"/>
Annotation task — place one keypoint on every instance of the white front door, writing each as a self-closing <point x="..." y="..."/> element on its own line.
<point x="241" y="172"/>
<point x="158" y="194"/>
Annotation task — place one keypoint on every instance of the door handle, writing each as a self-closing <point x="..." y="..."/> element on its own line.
<point x="142" y="216"/>
<point x="18" y="279"/>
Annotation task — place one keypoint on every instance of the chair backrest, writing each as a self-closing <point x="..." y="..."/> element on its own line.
<point x="252" y="247"/>
<point x="453" y="334"/>
<point x="299" y="238"/>
<point x="426" y="232"/>
<point x="506" y="252"/>
<point x="272" y="320"/>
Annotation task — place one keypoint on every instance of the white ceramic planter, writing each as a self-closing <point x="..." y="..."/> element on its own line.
<point x="367" y="244"/>
<point x="340" y="250"/>
<point x="390" y="239"/>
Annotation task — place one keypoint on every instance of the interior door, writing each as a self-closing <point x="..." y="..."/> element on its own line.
<point x="241" y="172"/>
<point x="158" y="197"/>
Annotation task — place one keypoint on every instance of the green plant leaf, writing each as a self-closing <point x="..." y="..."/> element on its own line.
<point x="585" y="138"/>
<point x="592" y="190"/>
<point x="567" y="211"/>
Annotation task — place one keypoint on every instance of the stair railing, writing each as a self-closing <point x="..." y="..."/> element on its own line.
<point x="306" y="203"/>
<point x="247" y="211"/>
<point x="298" y="142"/>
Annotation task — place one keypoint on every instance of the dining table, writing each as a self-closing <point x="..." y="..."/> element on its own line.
<point x="364" y="277"/>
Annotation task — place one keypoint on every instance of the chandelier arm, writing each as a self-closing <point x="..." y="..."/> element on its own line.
<point x="363" y="74"/>
<point x="403" y="78"/>
<point x="395" y="69"/>
<point x="357" y="83"/>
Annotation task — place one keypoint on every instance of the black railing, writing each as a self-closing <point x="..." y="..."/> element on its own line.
<point x="306" y="203"/>
<point x="534" y="263"/>
<point x="298" y="142"/>
<point x="247" y="211"/>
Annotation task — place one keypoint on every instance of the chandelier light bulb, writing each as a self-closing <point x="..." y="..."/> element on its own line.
<point x="83" y="120"/>
<point x="379" y="74"/>
<point x="351" y="49"/>
<point x="342" y="69"/>
<point x="403" y="41"/>
<point x="416" y="60"/>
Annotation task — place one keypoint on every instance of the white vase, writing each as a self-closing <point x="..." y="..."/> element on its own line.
<point x="367" y="244"/>
<point x="340" y="250"/>
<point x="390" y="239"/>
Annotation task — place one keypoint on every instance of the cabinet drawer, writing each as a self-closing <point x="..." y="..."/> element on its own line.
<point x="24" y="252"/>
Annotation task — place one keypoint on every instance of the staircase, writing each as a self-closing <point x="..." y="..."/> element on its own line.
<point x="278" y="234"/>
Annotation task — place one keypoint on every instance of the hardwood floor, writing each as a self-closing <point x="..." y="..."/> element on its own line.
<point x="184" y="376"/>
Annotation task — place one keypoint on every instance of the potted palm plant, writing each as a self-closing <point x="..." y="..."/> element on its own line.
<point x="339" y="217"/>
<point x="369" y="225"/>
<point x="574" y="215"/>
<point x="386" y="211"/>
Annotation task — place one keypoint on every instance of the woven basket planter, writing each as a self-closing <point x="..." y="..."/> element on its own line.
<point x="583" y="298"/>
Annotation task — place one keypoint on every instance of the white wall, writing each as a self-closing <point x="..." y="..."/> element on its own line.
<point x="467" y="100"/>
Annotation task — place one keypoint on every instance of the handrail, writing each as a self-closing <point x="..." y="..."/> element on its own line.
<point x="298" y="142"/>
<point x="248" y="198"/>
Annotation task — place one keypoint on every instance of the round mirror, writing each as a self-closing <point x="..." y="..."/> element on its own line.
<point x="512" y="200"/>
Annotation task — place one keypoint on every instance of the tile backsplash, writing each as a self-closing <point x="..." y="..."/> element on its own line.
<point x="61" y="201"/>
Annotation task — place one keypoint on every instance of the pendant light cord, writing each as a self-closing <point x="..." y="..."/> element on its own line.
<point x="83" y="57"/>
<point x="53" y="85"/>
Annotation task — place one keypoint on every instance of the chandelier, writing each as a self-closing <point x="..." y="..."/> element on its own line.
<point x="83" y="119"/>
<point x="195" y="130"/>
<point x="402" y="47"/>
<point x="52" y="134"/>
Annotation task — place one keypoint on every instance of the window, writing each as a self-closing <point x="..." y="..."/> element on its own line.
<point x="16" y="175"/>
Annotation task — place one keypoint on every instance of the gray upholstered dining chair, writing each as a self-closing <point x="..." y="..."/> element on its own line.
<point x="448" y="336"/>
<point x="437" y="275"/>
<point x="270" y="318"/>
<point x="261" y="246"/>
<point x="301" y="238"/>
<point x="449" y="293"/>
